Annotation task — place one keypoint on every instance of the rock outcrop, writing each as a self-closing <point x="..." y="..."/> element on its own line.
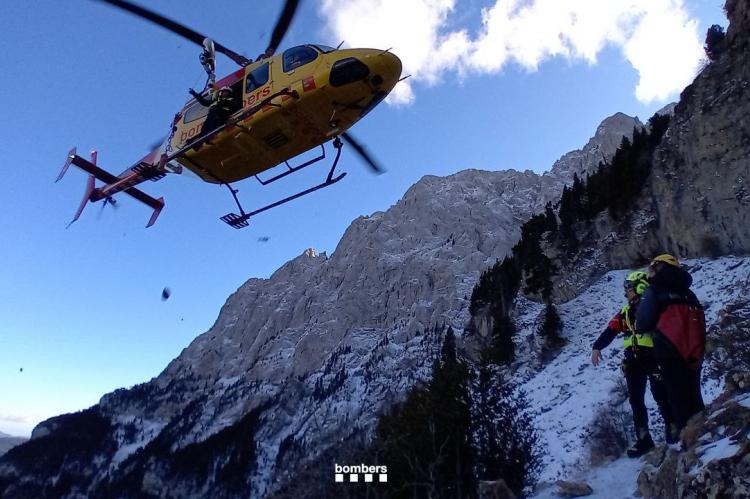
<point x="701" y="185"/>
<point x="714" y="459"/>
<point x="696" y="200"/>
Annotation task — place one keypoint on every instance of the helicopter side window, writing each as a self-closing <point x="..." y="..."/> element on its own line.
<point x="195" y="112"/>
<point x="257" y="78"/>
<point x="298" y="56"/>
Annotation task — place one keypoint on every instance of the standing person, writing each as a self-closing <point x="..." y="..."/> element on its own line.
<point x="675" y="317"/>
<point x="220" y="109"/>
<point x="638" y="365"/>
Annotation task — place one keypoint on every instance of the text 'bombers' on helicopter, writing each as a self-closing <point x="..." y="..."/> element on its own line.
<point x="267" y="112"/>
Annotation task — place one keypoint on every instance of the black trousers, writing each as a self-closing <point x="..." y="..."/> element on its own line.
<point x="683" y="383"/>
<point x="640" y="367"/>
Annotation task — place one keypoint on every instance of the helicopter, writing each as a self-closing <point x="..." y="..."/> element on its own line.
<point x="289" y="103"/>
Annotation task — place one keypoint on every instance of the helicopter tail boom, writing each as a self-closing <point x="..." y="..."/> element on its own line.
<point x="124" y="183"/>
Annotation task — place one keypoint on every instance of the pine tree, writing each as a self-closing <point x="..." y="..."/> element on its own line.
<point x="505" y="441"/>
<point x="501" y="348"/>
<point x="566" y="213"/>
<point x="550" y="218"/>
<point x="426" y="441"/>
<point x="715" y="42"/>
<point x="551" y="325"/>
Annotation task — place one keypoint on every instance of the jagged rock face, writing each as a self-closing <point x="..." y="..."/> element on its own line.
<point x="701" y="185"/>
<point x="715" y="456"/>
<point x="315" y="352"/>
<point x="697" y="198"/>
<point x="600" y="148"/>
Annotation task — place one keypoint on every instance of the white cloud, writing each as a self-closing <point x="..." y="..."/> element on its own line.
<point x="657" y="37"/>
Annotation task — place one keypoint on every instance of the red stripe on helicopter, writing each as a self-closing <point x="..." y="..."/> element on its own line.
<point x="308" y="83"/>
<point x="231" y="78"/>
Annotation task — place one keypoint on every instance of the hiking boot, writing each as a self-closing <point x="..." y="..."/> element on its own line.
<point x="641" y="446"/>
<point x="671" y="433"/>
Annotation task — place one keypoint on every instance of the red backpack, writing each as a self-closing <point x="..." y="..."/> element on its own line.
<point x="683" y="322"/>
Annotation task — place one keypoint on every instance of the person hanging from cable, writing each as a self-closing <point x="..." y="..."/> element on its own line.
<point x="220" y="108"/>
<point x="638" y="366"/>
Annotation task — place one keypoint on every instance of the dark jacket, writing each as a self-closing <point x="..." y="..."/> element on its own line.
<point x="219" y="110"/>
<point x="671" y="282"/>
<point x="674" y="315"/>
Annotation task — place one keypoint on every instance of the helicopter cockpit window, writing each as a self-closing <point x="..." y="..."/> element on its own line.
<point x="298" y="56"/>
<point x="257" y="78"/>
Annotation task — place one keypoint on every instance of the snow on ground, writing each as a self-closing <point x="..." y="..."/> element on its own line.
<point x="566" y="394"/>
<point x="617" y="480"/>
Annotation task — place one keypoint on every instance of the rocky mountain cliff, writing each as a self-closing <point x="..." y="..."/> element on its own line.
<point x="301" y="360"/>
<point x="310" y="355"/>
<point x="697" y="199"/>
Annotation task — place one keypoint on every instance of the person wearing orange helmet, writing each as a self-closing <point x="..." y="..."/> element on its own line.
<point x="675" y="318"/>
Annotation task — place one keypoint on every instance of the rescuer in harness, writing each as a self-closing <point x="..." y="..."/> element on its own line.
<point x="220" y="109"/>
<point x="676" y="319"/>
<point x="638" y="365"/>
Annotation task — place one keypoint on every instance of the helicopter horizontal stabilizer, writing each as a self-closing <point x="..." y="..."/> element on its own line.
<point x="68" y="161"/>
<point x="113" y="185"/>
<point x="90" y="185"/>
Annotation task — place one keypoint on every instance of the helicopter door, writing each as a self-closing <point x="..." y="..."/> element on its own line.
<point x="257" y="85"/>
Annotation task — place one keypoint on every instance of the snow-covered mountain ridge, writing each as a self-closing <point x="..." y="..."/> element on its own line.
<point x="297" y="362"/>
<point x="318" y="349"/>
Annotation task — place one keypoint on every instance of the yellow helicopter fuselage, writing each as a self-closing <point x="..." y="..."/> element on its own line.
<point x="291" y="103"/>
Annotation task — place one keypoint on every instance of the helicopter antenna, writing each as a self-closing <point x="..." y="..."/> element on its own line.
<point x="339" y="45"/>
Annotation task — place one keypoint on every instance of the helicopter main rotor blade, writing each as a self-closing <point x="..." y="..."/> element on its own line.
<point x="363" y="153"/>
<point x="175" y="27"/>
<point x="282" y="26"/>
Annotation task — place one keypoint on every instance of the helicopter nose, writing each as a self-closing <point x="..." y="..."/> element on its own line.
<point x="379" y="68"/>
<point x="385" y="68"/>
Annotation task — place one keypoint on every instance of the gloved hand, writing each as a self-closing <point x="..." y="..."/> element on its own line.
<point x="193" y="92"/>
<point x="596" y="356"/>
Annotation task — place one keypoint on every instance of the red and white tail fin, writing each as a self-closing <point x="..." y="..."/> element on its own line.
<point x="114" y="184"/>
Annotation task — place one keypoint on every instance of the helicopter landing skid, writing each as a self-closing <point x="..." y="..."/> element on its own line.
<point x="242" y="220"/>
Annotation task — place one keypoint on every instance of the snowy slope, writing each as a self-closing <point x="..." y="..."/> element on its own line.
<point x="567" y="393"/>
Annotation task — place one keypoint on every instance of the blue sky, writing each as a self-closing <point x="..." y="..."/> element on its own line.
<point x="81" y="307"/>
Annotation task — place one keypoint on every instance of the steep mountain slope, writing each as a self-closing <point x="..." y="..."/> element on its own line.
<point x="7" y="442"/>
<point x="701" y="185"/>
<point x="575" y="401"/>
<point x="300" y="360"/>
<point x="696" y="200"/>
